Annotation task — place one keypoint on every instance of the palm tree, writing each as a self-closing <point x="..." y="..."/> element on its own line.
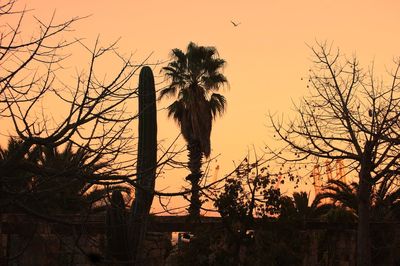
<point x="68" y="179"/>
<point x="385" y="199"/>
<point x="14" y="179"/>
<point x="299" y="207"/>
<point x="341" y="194"/>
<point x="195" y="79"/>
<point x="48" y="180"/>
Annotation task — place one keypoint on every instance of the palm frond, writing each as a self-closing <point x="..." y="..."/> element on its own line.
<point x="301" y="201"/>
<point x="171" y="71"/>
<point x="168" y="91"/>
<point x="214" y="65"/>
<point x="393" y="197"/>
<point x="180" y="57"/>
<point x="176" y="110"/>
<point x="214" y="82"/>
<point x="184" y="96"/>
<point x="217" y="104"/>
<point x="339" y="191"/>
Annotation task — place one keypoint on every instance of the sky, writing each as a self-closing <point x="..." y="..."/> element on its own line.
<point x="267" y="54"/>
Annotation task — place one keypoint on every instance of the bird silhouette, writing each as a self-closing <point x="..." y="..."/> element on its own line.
<point x="235" y="24"/>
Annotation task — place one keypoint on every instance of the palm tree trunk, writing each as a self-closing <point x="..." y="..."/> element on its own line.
<point x="195" y="162"/>
<point x="363" y="229"/>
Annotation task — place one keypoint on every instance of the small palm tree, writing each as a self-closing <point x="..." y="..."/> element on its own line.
<point x="51" y="181"/>
<point x="14" y="179"/>
<point x="385" y="199"/>
<point x="341" y="194"/>
<point x="299" y="207"/>
<point x="195" y="78"/>
<point x="69" y="182"/>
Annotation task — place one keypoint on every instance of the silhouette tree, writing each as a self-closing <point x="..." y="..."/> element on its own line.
<point x="351" y="116"/>
<point x="250" y="193"/>
<point x="19" y="180"/>
<point x="70" y="188"/>
<point x="195" y="78"/>
<point x="299" y="207"/>
<point x="341" y="194"/>
<point x="49" y="181"/>
<point x="91" y="109"/>
<point x="384" y="199"/>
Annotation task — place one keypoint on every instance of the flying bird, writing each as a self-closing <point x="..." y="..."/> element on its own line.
<point x="235" y="24"/>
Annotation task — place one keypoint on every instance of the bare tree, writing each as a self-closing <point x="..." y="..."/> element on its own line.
<point x="350" y="115"/>
<point x="28" y="60"/>
<point x="92" y="115"/>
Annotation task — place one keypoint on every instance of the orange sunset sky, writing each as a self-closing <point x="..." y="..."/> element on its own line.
<point x="267" y="54"/>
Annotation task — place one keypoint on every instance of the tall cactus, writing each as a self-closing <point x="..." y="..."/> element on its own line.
<point x="146" y="162"/>
<point x="117" y="248"/>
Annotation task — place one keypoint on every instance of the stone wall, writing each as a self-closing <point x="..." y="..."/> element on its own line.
<point x="81" y="241"/>
<point x="28" y="241"/>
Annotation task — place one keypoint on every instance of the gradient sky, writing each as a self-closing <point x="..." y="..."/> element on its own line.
<point x="266" y="54"/>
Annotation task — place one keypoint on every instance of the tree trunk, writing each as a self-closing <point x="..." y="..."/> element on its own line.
<point x="195" y="161"/>
<point x="363" y="229"/>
